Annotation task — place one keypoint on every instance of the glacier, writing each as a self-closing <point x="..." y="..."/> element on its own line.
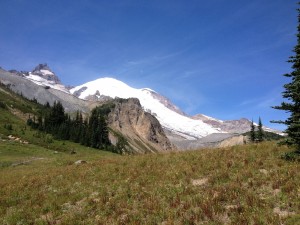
<point x="183" y="126"/>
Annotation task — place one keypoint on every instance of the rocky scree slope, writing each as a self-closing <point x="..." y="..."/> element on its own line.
<point x="20" y="84"/>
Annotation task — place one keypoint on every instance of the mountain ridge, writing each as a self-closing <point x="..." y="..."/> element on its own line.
<point x="175" y="122"/>
<point x="166" y="112"/>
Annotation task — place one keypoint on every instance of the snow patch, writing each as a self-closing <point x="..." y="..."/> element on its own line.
<point x="44" y="82"/>
<point x="47" y="72"/>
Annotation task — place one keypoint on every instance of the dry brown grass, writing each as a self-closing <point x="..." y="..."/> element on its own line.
<point x="238" y="185"/>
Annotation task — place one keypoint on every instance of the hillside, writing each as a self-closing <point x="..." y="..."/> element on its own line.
<point x="46" y="181"/>
<point x="138" y="130"/>
<point x="237" y="185"/>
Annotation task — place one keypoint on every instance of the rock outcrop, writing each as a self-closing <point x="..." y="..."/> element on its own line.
<point x="142" y="130"/>
<point x="45" y="72"/>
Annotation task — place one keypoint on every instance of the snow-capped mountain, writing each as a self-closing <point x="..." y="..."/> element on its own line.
<point x="43" y="76"/>
<point x="170" y="117"/>
<point x="178" y="126"/>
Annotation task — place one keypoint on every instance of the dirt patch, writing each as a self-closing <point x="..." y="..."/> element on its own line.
<point x="199" y="182"/>
<point x="20" y="114"/>
<point x="26" y="162"/>
<point x="264" y="171"/>
<point x="282" y="213"/>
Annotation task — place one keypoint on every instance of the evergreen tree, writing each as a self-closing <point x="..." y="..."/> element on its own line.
<point x="292" y="94"/>
<point x="252" y="132"/>
<point x="55" y="118"/>
<point x="92" y="132"/>
<point x="84" y="137"/>
<point x="104" y="141"/>
<point x="40" y="123"/>
<point x="260" y="131"/>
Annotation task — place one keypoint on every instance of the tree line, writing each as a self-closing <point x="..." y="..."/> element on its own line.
<point x="91" y="131"/>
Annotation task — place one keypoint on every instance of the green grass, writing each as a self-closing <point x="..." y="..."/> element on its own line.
<point x="238" y="185"/>
<point x="41" y="184"/>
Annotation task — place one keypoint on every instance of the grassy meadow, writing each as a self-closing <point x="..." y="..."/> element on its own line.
<point x="238" y="185"/>
<point x="40" y="183"/>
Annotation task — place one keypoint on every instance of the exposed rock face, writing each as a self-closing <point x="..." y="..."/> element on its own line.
<point x="77" y="93"/>
<point x="98" y="98"/>
<point x="143" y="130"/>
<point x="231" y="126"/>
<point x="45" y="72"/>
<point x="236" y="140"/>
<point x="236" y="126"/>
<point x="15" y="72"/>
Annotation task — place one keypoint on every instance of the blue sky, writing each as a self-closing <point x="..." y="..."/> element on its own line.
<point x="222" y="58"/>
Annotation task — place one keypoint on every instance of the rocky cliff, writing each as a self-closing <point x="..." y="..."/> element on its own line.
<point x="142" y="130"/>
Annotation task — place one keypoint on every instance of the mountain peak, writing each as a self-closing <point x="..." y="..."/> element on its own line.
<point x="44" y="71"/>
<point x="42" y="66"/>
<point x="43" y="76"/>
<point x="170" y="116"/>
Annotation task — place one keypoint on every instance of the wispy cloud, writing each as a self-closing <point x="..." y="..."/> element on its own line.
<point x="272" y="98"/>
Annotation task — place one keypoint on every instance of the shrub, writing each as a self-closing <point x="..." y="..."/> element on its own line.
<point x="48" y="138"/>
<point x="291" y="156"/>
<point x="2" y="105"/>
<point x="8" y="126"/>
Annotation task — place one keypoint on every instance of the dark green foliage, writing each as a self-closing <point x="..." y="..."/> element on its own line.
<point x="121" y="145"/>
<point x="4" y="164"/>
<point x="92" y="132"/>
<point x="77" y="128"/>
<point x="291" y="156"/>
<point x="2" y="105"/>
<point x="256" y="136"/>
<point x="105" y="109"/>
<point x="34" y="100"/>
<point x="55" y="118"/>
<point x="268" y="136"/>
<point x="252" y="132"/>
<point x="292" y="95"/>
<point x="8" y="126"/>
<point x="97" y="129"/>
<point x="47" y="105"/>
<point x="260" y="131"/>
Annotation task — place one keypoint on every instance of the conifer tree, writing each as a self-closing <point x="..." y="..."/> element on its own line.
<point x="260" y="131"/>
<point x="252" y="132"/>
<point x="292" y="96"/>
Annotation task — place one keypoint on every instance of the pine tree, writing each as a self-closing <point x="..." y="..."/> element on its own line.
<point x="252" y="132"/>
<point x="292" y="94"/>
<point x="104" y="132"/>
<point x="260" y="131"/>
